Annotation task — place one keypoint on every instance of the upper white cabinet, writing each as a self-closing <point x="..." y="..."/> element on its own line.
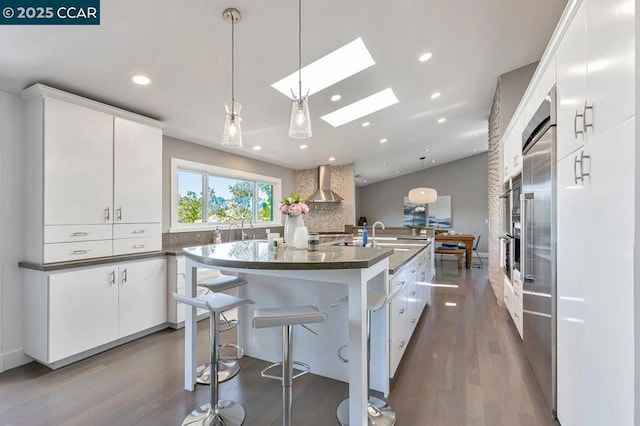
<point x="137" y="172"/>
<point x="596" y="72"/>
<point x="94" y="175"/>
<point x="78" y="164"/>
<point x="571" y="58"/>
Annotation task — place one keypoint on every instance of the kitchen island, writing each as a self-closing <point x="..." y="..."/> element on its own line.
<point x="295" y="277"/>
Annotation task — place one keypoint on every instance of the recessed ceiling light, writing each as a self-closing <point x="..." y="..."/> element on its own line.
<point x="433" y="161"/>
<point x="366" y="124"/>
<point x="441" y="120"/>
<point x="343" y="62"/>
<point x="140" y="79"/>
<point x="336" y="98"/>
<point x="426" y="150"/>
<point x="332" y="158"/>
<point x="425" y="56"/>
<point x="385" y="163"/>
<point x="474" y="150"/>
<point x="303" y="146"/>
<point x="383" y="140"/>
<point x="359" y="109"/>
<point x="398" y="172"/>
<point x="435" y="95"/>
<point x="257" y="148"/>
<point x="365" y="181"/>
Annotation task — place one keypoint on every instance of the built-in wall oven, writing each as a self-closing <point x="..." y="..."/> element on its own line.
<point x="516" y="190"/>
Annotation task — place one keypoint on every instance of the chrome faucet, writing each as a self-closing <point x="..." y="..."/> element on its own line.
<point x="242" y="236"/>
<point x="231" y="226"/>
<point x="373" y="231"/>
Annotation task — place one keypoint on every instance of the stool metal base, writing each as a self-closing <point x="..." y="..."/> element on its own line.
<point x="230" y="413"/>
<point x="226" y="370"/>
<point x="378" y="412"/>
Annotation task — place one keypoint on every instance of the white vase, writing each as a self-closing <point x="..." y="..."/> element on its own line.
<point x="291" y="222"/>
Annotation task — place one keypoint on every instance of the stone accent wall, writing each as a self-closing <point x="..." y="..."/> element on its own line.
<point x="495" y="189"/>
<point x="323" y="217"/>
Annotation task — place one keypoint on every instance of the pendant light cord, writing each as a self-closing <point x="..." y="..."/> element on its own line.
<point x="300" y="50"/>
<point x="233" y="44"/>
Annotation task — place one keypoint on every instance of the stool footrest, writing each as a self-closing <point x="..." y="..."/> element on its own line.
<point x="231" y="358"/>
<point x="229" y="325"/>
<point x="342" y="357"/>
<point x="302" y="366"/>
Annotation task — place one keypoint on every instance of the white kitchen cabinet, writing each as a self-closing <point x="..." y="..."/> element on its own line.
<point x="596" y="72"/>
<point x="89" y="165"/>
<point x="142" y="296"/>
<point x="75" y="313"/>
<point x="137" y="172"/>
<point x="507" y="158"/>
<point x="610" y="63"/>
<point x="595" y="281"/>
<point x="78" y="164"/>
<point x="571" y="60"/>
<point x="83" y="311"/>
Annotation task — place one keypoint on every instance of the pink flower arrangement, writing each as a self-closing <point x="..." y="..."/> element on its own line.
<point x="294" y="205"/>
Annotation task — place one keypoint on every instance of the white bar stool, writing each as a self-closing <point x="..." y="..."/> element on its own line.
<point x="379" y="411"/>
<point x="228" y="367"/>
<point x="228" y="413"/>
<point x="286" y="318"/>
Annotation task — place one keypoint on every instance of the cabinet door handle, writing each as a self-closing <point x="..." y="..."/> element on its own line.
<point x="585" y="126"/>
<point x="413" y="320"/>
<point x="580" y="161"/>
<point x="119" y="213"/>
<point x="138" y="246"/>
<point x="401" y="311"/>
<point x="107" y="214"/>
<point x="576" y="132"/>
<point x="401" y="283"/>
<point x="80" y="234"/>
<point x="124" y="276"/>
<point x="413" y="293"/>
<point x="413" y="271"/>
<point x="515" y="314"/>
<point x="138" y="231"/>
<point x="112" y="281"/>
<point x="77" y="252"/>
<point x="401" y="345"/>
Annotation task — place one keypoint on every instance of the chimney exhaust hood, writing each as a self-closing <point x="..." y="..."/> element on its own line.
<point x="324" y="194"/>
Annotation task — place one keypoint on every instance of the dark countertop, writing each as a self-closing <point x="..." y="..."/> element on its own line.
<point x="397" y="259"/>
<point x="252" y="254"/>
<point x="89" y="262"/>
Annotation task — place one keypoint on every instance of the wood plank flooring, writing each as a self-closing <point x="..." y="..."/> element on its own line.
<point x="464" y="366"/>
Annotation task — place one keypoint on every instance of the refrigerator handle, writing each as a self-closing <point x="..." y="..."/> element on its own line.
<point x="525" y="198"/>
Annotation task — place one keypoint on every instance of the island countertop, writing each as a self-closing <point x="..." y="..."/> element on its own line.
<point x="256" y="255"/>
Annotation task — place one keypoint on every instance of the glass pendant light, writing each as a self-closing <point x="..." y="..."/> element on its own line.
<point x="232" y="134"/>
<point x="422" y="195"/>
<point x="300" y="126"/>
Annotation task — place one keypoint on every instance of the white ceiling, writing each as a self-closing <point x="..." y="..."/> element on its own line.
<point x="184" y="46"/>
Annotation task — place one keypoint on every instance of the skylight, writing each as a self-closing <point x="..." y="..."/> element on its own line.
<point x="366" y="106"/>
<point x="343" y="62"/>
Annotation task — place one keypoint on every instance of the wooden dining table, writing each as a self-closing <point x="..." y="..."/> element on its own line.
<point x="466" y="239"/>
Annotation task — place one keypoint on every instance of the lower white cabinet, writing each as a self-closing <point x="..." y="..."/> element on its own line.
<point x="595" y="261"/>
<point x="70" y="312"/>
<point x="405" y="311"/>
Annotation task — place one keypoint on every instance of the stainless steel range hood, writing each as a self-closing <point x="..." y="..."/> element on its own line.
<point x="325" y="194"/>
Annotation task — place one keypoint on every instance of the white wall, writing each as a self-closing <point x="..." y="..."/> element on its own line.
<point x="12" y="202"/>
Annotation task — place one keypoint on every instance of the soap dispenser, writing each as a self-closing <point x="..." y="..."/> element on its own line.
<point x="217" y="236"/>
<point x="365" y="235"/>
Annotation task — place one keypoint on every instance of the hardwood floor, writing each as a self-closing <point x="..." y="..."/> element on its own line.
<point x="464" y="366"/>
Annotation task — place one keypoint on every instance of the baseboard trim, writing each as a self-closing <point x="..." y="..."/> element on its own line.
<point x="13" y="359"/>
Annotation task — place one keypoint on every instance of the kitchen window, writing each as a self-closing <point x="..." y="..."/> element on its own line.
<point x="205" y="196"/>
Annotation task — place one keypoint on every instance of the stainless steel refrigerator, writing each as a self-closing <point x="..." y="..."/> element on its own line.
<point x="538" y="251"/>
